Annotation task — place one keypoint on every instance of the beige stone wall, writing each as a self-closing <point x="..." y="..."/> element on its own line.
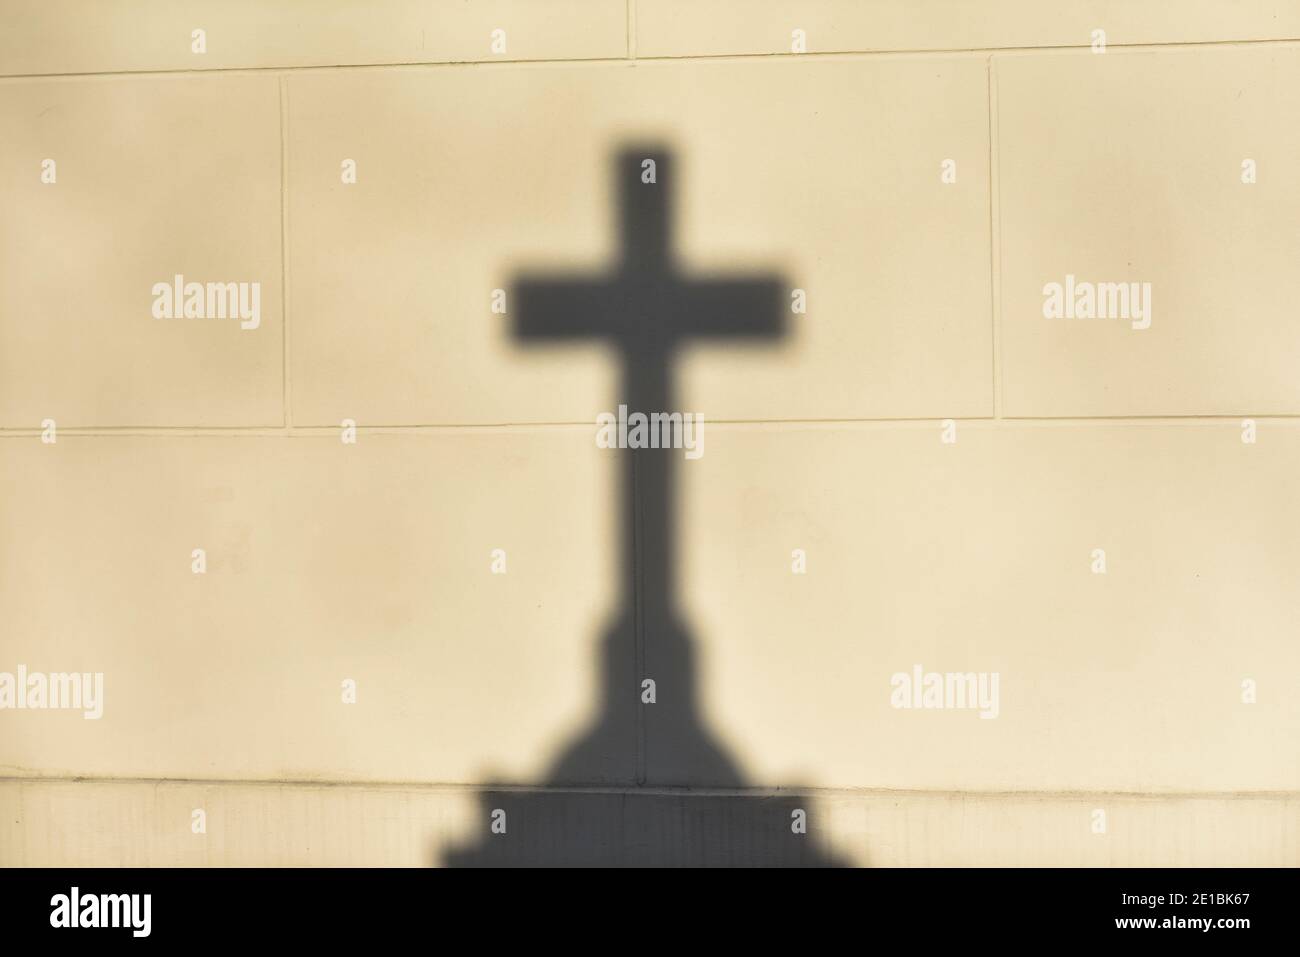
<point x="1162" y="691"/>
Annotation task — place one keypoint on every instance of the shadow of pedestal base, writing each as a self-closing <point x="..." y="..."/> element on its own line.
<point x="641" y="829"/>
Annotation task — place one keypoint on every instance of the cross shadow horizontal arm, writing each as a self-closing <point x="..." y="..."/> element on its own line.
<point x="749" y="307"/>
<point x="563" y="308"/>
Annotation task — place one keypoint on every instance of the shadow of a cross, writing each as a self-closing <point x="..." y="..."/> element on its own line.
<point x="648" y="309"/>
